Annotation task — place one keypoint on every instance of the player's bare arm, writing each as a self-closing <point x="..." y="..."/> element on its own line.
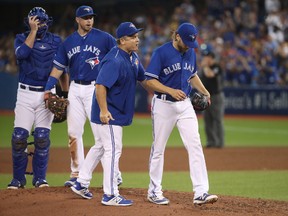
<point x="101" y="96"/>
<point x="56" y="73"/>
<point x="146" y="87"/>
<point x="155" y="85"/>
<point x="197" y="83"/>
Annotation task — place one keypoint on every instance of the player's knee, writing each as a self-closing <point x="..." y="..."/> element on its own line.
<point x="42" y="138"/>
<point x="19" y="138"/>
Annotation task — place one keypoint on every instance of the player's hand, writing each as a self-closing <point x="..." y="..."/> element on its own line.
<point x="34" y="23"/>
<point x="178" y="94"/>
<point x="106" y="117"/>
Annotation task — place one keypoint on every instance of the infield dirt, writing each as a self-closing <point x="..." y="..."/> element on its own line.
<point x="60" y="201"/>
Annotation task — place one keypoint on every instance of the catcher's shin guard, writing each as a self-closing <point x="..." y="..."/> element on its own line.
<point x="41" y="153"/>
<point x="20" y="157"/>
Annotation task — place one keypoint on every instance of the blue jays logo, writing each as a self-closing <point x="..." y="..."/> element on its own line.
<point x="193" y="37"/>
<point x="93" y="61"/>
<point x="132" y="25"/>
<point x="87" y="9"/>
<point x="136" y="62"/>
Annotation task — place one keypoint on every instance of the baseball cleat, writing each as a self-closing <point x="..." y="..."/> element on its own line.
<point x="115" y="200"/>
<point x="70" y="182"/>
<point x="82" y="191"/>
<point x="160" y="200"/>
<point x="41" y="183"/>
<point x="15" y="184"/>
<point x="205" y="199"/>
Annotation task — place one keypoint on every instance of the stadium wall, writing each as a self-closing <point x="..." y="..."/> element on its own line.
<point x="265" y="100"/>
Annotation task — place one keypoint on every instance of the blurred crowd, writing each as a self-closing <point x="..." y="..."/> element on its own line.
<point x="249" y="38"/>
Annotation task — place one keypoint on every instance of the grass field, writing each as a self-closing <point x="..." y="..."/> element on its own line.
<point x="240" y="132"/>
<point x="243" y="132"/>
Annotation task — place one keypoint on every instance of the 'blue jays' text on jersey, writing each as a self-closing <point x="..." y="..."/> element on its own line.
<point x="119" y="72"/>
<point x="172" y="68"/>
<point x="36" y="64"/>
<point x="81" y="55"/>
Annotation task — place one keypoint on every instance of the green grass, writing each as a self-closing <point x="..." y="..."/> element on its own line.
<point x="255" y="184"/>
<point x="238" y="132"/>
<point x="251" y="132"/>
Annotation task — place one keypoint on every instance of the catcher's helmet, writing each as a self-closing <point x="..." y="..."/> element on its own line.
<point x="43" y="17"/>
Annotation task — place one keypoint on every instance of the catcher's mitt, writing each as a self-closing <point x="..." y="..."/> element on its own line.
<point x="200" y="102"/>
<point x="58" y="106"/>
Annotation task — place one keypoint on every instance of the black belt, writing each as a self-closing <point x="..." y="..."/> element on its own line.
<point x="166" y="97"/>
<point x="83" y="82"/>
<point x="30" y="88"/>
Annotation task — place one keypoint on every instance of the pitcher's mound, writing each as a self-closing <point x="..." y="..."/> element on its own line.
<point x="60" y="201"/>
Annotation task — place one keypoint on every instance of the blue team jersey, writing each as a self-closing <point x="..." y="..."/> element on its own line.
<point x="81" y="55"/>
<point x="119" y="72"/>
<point x="172" y="68"/>
<point x="36" y="64"/>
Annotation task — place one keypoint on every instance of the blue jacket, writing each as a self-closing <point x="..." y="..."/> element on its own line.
<point x="119" y="74"/>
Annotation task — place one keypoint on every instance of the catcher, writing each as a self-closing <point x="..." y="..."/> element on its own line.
<point x="35" y="64"/>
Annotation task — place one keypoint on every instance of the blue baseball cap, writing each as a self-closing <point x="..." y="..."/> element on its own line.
<point x="127" y="29"/>
<point x="84" y="10"/>
<point x="188" y="34"/>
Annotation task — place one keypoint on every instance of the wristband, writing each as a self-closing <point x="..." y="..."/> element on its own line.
<point x="51" y="82"/>
<point x="64" y="94"/>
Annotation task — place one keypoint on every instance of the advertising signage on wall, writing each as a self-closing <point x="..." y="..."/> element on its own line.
<point x="270" y="101"/>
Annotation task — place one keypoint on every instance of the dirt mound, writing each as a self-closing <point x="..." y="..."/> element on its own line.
<point x="60" y="201"/>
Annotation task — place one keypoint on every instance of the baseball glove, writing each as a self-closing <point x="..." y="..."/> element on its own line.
<point x="58" y="106"/>
<point x="200" y="102"/>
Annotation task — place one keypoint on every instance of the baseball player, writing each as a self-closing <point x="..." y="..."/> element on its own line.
<point x="34" y="50"/>
<point x="80" y="55"/>
<point x="171" y="72"/>
<point x="115" y="93"/>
